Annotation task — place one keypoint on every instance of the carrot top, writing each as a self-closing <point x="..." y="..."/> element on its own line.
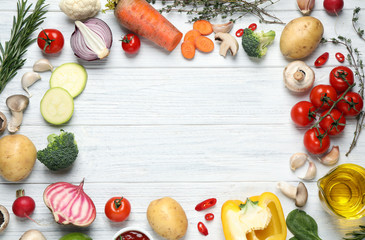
<point x="110" y="5"/>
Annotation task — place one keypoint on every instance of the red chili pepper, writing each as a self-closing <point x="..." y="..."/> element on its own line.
<point x="321" y="59"/>
<point x="253" y="26"/>
<point x="206" y="204"/>
<point x="202" y="229"/>
<point x="209" y="216"/>
<point x="239" y="32"/>
<point x="340" y="57"/>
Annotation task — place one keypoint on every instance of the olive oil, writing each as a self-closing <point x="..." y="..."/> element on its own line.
<point x="342" y="191"/>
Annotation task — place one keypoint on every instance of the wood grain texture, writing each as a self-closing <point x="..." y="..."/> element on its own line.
<point x="155" y="125"/>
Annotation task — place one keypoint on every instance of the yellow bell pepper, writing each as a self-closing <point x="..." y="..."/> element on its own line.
<point x="260" y="218"/>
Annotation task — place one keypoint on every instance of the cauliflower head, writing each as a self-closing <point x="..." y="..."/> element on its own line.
<point x="80" y="9"/>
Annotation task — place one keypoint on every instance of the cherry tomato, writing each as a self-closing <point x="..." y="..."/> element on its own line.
<point x="303" y="113"/>
<point x="341" y="78"/>
<point x="206" y="204"/>
<point x="202" y="229"/>
<point x="209" y="216"/>
<point x="253" y="26"/>
<point x="323" y="96"/>
<point x="321" y="60"/>
<point x="316" y="141"/>
<point x="50" y="40"/>
<point x="340" y="57"/>
<point x="334" y="123"/>
<point x="239" y="33"/>
<point x="131" y="43"/>
<point x="351" y="105"/>
<point x="117" y="209"/>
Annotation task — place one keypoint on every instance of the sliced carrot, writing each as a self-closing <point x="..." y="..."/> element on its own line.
<point x="188" y="50"/>
<point x="203" y="26"/>
<point x="191" y="35"/>
<point x="204" y="44"/>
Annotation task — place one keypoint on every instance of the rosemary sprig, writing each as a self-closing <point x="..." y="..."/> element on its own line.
<point x="355" y="61"/>
<point x="210" y="9"/>
<point x="356" y="235"/>
<point x="355" y="20"/>
<point x="11" y="54"/>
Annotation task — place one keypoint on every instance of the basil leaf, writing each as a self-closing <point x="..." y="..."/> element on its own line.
<point x="303" y="226"/>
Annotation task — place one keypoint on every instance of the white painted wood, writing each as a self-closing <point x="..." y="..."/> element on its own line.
<point x="157" y="125"/>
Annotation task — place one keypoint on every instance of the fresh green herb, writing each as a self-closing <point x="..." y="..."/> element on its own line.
<point x="356" y="235"/>
<point x="355" y="20"/>
<point x="355" y="61"/>
<point x="302" y="226"/>
<point x="11" y="54"/>
<point x="210" y="9"/>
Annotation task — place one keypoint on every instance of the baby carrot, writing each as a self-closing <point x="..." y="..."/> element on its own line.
<point x="204" y="44"/>
<point x="188" y="50"/>
<point x="203" y="26"/>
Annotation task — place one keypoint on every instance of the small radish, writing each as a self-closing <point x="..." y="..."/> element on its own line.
<point x="23" y="206"/>
<point x="333" y="6"/>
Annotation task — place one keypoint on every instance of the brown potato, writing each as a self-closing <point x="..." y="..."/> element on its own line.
<point x="17" y="157"/>
<point x="301" y="37"/>
<point x="167" y="218"/>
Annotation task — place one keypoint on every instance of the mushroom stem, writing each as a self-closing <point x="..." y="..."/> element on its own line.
<point x="299" y="193"/>
<point x="16" y="104"/>
<point x="299" y="76"/>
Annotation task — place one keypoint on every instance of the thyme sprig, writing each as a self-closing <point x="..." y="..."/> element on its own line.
<point x="12" y="52"/>
<point x="355" y="61"/>
<point x="356" y="235"/>
<point x="210" y="9"/>
<point x="355" y="19"/>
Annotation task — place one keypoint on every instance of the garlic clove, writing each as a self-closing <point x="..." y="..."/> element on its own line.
<point x="42" y="65"/>
<point x="298" y="160"/>
<point x="225" y="27"/>
<point x="305" y="6"/>
<point x="332" y="157"/>
<point x="311" y="171"/>
<point x="28" y="80"/>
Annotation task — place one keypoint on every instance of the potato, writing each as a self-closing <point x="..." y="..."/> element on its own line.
<point x="167" y="218"/>
<point x="17" y="157"/>
<point x="301" y="37"/>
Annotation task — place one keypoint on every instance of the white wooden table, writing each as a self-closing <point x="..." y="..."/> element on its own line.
<point x="155" y="125"/>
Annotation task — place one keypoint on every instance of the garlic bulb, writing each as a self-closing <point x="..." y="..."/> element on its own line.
<point x="305" y="6"/>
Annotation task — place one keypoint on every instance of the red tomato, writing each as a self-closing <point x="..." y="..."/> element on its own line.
<point x="131" y="43"/>
<point x="323" y="96"/>
<point x="316" y="141"/>
<point x="239" y="32"/>
<point x="334" y="123"/>
<point x="351" y="105"/>
<point x="341" y="78"/>
<point x="50" y="40"/>
<point x="303" y="113"/>
<point x="117" y="209"/>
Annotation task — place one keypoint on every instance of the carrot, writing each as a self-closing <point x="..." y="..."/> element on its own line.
<point x="188" y="49"/>
<point x="140" y="17"/>
<point x="191" y="35"/>
<point x="204" y="44"/>
<point x="203" y="26"/>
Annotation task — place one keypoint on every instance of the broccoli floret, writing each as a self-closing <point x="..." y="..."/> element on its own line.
<point x="255" y="43"/>
<point x="60" y="152"/>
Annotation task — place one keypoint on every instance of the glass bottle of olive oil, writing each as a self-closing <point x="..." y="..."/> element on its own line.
<point x="342" y="191"/>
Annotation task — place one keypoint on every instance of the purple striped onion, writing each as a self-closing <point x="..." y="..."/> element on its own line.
<point x="69" y="204"/>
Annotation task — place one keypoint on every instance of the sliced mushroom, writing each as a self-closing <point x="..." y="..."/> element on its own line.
<point x="299" y="193"/>
<point x="298" y="76"/>
<point x="3" y="122"/>
<point x="228" y="43"/>
<point x="17" y="104"/>
<point x="4" y="218"/>
<point x="225" y="27"/>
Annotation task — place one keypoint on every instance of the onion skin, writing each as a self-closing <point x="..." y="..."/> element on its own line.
<point x="69" y="204"/>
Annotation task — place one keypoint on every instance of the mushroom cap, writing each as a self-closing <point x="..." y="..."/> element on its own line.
<point x="4" y="218"/>
<point x="3" y="122"/>
<point x="298" y="76"/>
<point x="17" y="103"/>
<point x="302" y="195"/>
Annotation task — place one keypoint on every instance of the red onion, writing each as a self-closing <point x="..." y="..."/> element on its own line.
<point x="70" y="204"/>
<point x="91" y="39"/>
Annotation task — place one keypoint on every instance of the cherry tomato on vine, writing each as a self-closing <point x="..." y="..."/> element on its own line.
<point x="316" y="141"/>
<point x="323" y="96"/>
<point x="341" y="78"/>
<point x="321" y="60"/>
<point x="334" y="123"/>
<point x="50" y="40"/>
<point x="131" y="43"/>
<point x="117" y="209"/>
<point x="340" y="57"/>
<point x="239" y="32"/>
<point x="202" y="229"/>
<point x="209" y="216"/>
<point x="253" y="26"/>
<point x="351" y="105"/>
<point x="303" y="113"/>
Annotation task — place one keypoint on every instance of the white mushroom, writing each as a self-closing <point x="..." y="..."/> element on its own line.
<point x="28" y="79"/>
<point x="228" y="43"/>
<point x="299" y="193"/>
<point x="298" y="76"/>
<point x="3" y="122"/>
<point x="17" y="104"/>
<point x="4" y="218"/>
<point x="32" y="235"/>
<point x="225" y="27"/>
<point x="332" y="157"/>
